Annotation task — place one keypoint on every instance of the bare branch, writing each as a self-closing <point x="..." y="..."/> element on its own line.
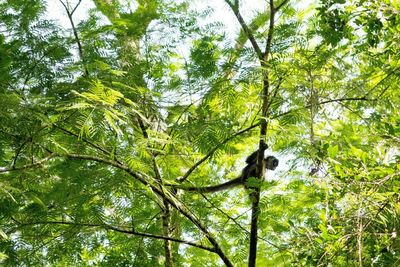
<point x="73" y="10"/>
<point x="65" y="6"/>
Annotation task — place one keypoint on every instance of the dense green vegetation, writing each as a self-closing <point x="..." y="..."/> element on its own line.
<point x="99" y="116"/>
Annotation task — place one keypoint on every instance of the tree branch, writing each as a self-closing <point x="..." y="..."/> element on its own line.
<point x="116" y="229"/>
<point x="363" y="98"/>
<point x="73" y="10"/>
<point x="75" y="32"/>
<point x="281" y="5"/>
<point x="212" y="151"/>
<point x="94" y="145"/>
<point x="249" y="34"/>
<point x="27" y="166"/>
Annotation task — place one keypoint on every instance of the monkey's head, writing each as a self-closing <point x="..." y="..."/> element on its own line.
<point x="271" y="163"/>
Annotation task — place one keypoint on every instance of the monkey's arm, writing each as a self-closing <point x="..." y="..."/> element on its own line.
<point x="214" y="188"/>
<point x="253" y="157"/>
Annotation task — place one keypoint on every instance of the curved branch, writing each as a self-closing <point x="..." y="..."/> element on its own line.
<point x="27" y="166"/>
<point x="116" y="229"/>
<point x="212" y="151"/>
<point x="92" y="144"/>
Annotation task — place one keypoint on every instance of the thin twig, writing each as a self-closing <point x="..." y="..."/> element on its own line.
<point x="73" y="10"/>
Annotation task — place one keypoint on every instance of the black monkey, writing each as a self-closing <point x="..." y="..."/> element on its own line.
<point x="249" y="171"/>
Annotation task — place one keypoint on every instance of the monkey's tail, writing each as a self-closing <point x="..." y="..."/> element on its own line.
<point x="214" y="188"/>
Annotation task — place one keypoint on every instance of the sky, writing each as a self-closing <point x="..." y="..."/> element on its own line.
<point x="57" y="12"/>
<point x="222" y="12"/>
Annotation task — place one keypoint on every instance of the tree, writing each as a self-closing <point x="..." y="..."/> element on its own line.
<point x="102" y="120"/>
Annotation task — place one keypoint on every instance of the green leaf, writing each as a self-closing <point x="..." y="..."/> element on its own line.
<point x="333" y="151"/>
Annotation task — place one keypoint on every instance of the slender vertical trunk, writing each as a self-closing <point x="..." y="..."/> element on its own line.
<point x="255" y="211"/>
<point x="255" y="195"/>
<point x="360" y="234"/>
<point x="166" y="218"/>
<point x="166" y="211"/>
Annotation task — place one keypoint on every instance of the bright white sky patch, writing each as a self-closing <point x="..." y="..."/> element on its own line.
<point x="57" y="12"/>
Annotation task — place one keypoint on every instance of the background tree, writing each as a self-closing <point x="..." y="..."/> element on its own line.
<point x="100" y="117"/>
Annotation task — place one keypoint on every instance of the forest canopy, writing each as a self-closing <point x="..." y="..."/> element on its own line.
<point x="116" y="116"/>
